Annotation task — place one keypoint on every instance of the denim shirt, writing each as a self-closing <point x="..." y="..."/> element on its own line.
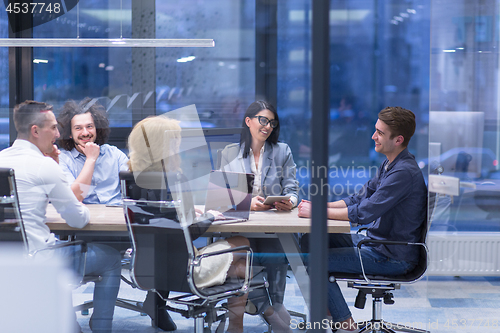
<point x="105" y="184"/>
<point x="395" y="200"/>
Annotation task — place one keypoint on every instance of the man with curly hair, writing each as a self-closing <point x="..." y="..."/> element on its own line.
<point x="90" y="164"/>
<point x="92" y="168"/>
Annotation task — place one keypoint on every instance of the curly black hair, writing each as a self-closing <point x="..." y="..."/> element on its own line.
<point x="71" y="109"/>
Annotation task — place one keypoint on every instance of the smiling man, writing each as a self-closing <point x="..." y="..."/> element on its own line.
<point x="91" y="165"/>
<point x="92" y="168"/>
<point x="39" y="179"/>
<point x="393" y="204"/>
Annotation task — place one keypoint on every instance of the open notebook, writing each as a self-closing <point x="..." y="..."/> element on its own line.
<point x="229" y="193"/>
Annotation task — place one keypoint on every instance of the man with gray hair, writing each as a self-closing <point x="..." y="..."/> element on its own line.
<point x="39" y="179"/>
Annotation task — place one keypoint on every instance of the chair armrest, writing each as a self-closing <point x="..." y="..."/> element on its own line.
<point x="381" y="241"/>
<point x="388" y="242"/>
<point x="153" y="203"/>
<point x="361" y="230"/>
<point x="233" y="249"/>
<point x="61" y="245"/>
<point x="249" y="258"/>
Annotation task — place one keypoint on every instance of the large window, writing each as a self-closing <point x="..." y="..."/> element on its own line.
<point x="464" y="134"/>
<point x="219" y="80"/>
<point x="439" y="59"/>
<point x="74" y="73"/>
<point x="378" y="58"/>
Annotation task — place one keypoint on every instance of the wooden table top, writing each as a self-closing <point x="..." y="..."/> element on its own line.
<point x="104" y="218"/>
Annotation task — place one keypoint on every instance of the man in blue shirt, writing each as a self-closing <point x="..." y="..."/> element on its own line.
<point x="91" y="166"/>
<point x="395" y="200"/>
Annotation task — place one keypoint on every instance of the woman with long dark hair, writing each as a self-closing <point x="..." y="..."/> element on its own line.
<point x="260" y="153"/>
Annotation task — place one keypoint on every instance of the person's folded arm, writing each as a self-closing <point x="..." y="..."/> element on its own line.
<point x="337" y="204"/>
<point x="392" y="190"/>
<point x="362" y="194"/>
<point x="62" y="198"/>
<point x="338" y="214"/>
<point x="289" y="183"/>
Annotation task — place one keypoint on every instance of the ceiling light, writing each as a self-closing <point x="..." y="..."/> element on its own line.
<point x="102" y="42"/>
<point x="186" y="59"/>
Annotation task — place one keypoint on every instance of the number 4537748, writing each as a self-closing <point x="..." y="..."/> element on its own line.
<point x="33" y="8"/>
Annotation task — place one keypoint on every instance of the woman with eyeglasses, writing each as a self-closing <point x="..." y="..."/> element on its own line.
<point x="260" y="153"/>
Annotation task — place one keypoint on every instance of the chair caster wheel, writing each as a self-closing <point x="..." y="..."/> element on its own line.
<point x="141" y="305"/>
<point x="85" y="312"/>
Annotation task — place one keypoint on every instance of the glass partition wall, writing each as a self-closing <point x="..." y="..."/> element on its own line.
<point x="464" y="135"/>
<point x="378" y="58"/>
<point x="262" y="51"/>
<point x="436" y="58"/>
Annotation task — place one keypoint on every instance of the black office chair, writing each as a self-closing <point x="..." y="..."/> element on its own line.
<point x="12" y="230"/>
<point x="163" y="255"/>
<point x="12" y="226"/>
<point x="381" y="287"/>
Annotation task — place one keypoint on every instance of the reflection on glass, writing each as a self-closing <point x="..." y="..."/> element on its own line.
<point x="464" y="136"/>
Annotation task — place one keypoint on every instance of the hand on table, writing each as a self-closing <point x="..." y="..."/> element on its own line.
<point x="217" y="215"/>
<point x="304" y="208"/>
<point x="258" y="204"/>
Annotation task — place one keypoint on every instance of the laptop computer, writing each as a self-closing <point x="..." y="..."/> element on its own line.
<point x="229" y="193"/>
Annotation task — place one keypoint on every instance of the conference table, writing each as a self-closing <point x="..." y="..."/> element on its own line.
<point x="110" y="222"/>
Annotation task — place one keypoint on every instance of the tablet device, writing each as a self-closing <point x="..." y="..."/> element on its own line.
<point x="273" y="198"/>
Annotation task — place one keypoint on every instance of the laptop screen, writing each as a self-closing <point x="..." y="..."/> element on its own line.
<point x="230" y="193"/>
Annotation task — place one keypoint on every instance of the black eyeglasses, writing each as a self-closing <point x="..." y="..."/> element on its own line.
<point x="264" y="121"/>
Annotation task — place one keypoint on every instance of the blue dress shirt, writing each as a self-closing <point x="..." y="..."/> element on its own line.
<point x="105" y="185"/>
<point x="395" y="200"/>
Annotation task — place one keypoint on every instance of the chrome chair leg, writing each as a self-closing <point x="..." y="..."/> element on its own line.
<point x="199" y="324"/>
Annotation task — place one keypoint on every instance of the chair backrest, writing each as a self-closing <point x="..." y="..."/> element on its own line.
<point x="219" y="159"/>
<point x="419" y="270"/>
<point x="160" y="251"/>
<point x="421" y="267"/>
<point x="11" y="222"/>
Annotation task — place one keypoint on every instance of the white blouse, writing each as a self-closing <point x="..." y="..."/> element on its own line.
<point x="257" y="171"/>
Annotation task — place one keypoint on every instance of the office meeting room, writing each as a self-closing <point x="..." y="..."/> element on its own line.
<point x="336" y="162"/>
